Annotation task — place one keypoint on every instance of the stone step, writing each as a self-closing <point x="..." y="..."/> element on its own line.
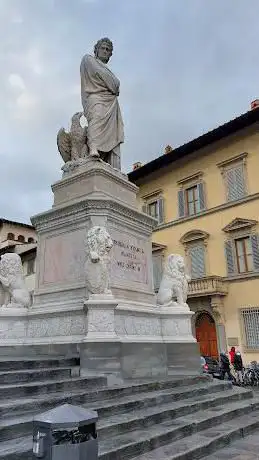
<point x="21" y="449"/>
<point x="174" y="439"/>
<point x="9" y="364"/>
<point x="34" y="375"/>
<point x="141" y="419"/>
<point x="144" y="444"/>
<point x="40" y="351"/>
<point x="246" y="448"/>
<point x="110" y="400"/>
<point x="154" y="399"/>
<point x="38" y="404"/>
<point x="45" y="387"/>
<point x="199" y="445"/>
<point x="114" y="424"/>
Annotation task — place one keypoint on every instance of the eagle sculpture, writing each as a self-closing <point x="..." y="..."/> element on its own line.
<point x="72" y="145"/>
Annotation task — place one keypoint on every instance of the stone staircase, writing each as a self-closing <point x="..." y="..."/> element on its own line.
<point x="184" y="419"/>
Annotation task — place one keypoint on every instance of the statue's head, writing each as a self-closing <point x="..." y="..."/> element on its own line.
<point x="103" y="49"/>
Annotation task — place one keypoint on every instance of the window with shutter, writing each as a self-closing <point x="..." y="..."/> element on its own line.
<point x="201" y="196"/>
<point x="157" y="260"/>
<point x="255" y="251"/>
<point x="230" y="260"/>
<point x="192" y="200"/>
<point x="244" y="254"/>
<point x="30" y="266"/>
<point x="155" y="209"/>
<point x="160" y="210"/>
<point x="181" y="203"/>
<point x="144" y="208"/>
<point x="197" y="260"/>
<point x="235" y="183"/>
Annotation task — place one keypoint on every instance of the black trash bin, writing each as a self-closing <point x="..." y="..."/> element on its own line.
<point x="66" y="433"/>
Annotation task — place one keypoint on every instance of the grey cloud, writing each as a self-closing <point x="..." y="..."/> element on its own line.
<point x="185" y="67"/>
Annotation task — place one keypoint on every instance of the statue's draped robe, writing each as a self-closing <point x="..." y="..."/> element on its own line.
<point x="99" y="90"/>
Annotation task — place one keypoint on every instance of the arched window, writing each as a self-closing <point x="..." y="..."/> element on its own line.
<point x="30" y="240"/>
<point x="10" y="236"/>
<point x="21" y="239"/>
<point x="194" y="243"/>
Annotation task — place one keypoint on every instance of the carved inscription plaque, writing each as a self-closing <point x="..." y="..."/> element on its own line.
<point x="129" y="259"/>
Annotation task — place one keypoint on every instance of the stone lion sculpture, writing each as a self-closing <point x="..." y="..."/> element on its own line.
<point x="98" y="246"/>
<point x="174" y="283"/>
<point x="12" y="280"/>
<point x="72" y="145"/>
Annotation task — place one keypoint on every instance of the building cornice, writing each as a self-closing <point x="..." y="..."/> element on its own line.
<point x="192" y="177"/>
<point x="221" y="207"/>
<point x="80" y="211"/>
<point x="153" y="194"/>
<point x="194" y="235"/>
<point x="241" y="277"/>
<point x="230" y="161"/>
<point x="239" y="224"/>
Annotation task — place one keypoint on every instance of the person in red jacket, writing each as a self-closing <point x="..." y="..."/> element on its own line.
<point x="232" y="355"/>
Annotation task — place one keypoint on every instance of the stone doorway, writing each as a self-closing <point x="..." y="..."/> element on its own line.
<point x="206" y="335"/>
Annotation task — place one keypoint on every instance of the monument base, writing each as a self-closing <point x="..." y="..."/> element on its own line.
<point x="144" y="343"/>
<point x="139" y="360"/>
<point x="124" y="334"/>
<point x="122" y="341"/>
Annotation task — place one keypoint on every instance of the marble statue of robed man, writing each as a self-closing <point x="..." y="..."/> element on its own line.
<point x="99" y="91"/>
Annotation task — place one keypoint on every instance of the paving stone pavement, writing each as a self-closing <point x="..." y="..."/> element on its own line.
<point x="243" y="449"/>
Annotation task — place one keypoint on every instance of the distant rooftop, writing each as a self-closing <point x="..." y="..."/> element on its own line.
<point x="231" y="127"/>
<point x="13" y="222"/>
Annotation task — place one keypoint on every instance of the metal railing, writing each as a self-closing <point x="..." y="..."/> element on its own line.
<point x="250" y="319"/>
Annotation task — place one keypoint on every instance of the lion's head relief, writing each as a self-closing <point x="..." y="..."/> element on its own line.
<point x="175" y="265"/>
<point x="98" y="242"/>
<point x="11" y="265"/>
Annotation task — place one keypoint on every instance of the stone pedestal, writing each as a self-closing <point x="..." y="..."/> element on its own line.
<point x="125" y="334"/>
<point x="176" y="323"/>
<point x="100" y="314"/>
<point x="13" y="325"/>
<point x="95" y="194"/>
<point x="148" y="343"/>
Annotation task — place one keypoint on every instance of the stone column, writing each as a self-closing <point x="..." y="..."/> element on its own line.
<point x="217" y="305"/>
<point x="100" y="309"/>
<point x="100" y="350"/>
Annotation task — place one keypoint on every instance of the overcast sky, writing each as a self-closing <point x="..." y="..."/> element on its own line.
<point x="185" y="67"/>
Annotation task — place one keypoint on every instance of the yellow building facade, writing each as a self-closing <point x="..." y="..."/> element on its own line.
<point x="205" y="196"/>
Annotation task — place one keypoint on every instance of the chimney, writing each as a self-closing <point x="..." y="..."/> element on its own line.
<point x="168" y="149"/>
<point x="136" y="165"/>
<point x="255" y="104"/>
